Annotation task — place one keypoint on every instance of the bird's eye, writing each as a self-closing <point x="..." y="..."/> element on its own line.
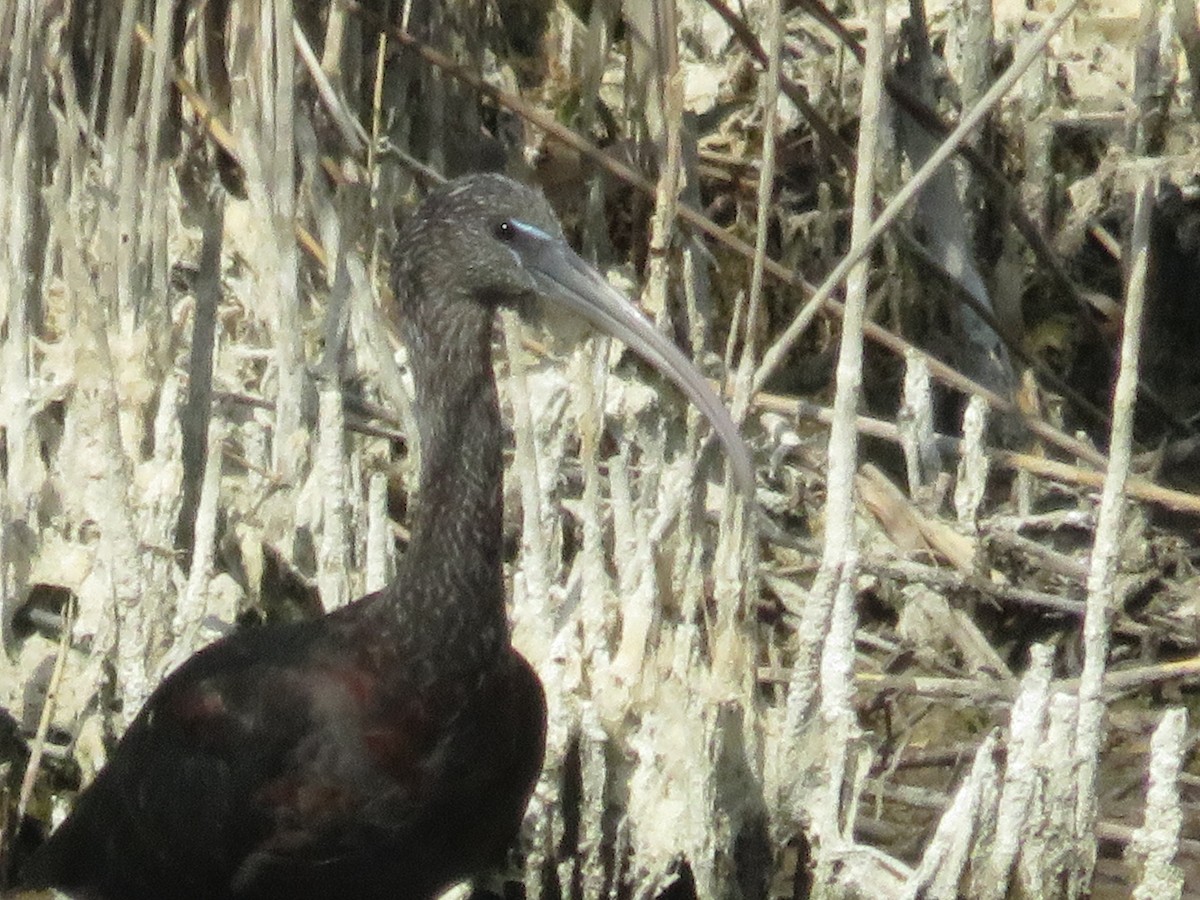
<point x="506" y="231"/>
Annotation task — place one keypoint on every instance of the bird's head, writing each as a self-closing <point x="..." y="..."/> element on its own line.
<point x="484" y="241"/>
<point x="479" y="238"/>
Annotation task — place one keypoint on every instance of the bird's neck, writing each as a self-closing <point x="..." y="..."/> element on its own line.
<point x="449" y="590"/>
<point x="459" y="505"/>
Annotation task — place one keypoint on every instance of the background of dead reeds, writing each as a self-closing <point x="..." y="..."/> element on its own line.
<point x="952" y="667"/>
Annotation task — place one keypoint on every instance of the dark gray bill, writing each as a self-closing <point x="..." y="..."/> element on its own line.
<point x="563" y="275"/>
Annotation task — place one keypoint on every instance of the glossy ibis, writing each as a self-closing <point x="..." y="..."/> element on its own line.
<point x="389" y="748"/>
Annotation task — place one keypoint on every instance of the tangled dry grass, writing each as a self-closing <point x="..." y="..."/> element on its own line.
<point x="957" y="656"/>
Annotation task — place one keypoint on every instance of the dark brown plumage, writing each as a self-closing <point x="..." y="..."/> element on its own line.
<point x="389" y="748"/>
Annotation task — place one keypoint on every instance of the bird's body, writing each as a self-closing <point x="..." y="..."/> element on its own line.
<point x="286" y="765"/>
<point x="389" y="748"/>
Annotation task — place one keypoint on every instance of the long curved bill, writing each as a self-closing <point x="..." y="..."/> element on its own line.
<point x="563" y="275"/>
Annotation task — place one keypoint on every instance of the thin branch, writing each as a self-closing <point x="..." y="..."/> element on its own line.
<point x="1106" y="549"/>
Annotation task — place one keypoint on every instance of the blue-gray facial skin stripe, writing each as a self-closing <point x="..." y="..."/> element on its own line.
<point x="531" y="230"/>
<point x="528" y="235"/>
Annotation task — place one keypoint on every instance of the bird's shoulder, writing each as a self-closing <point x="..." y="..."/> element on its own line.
<point x="248" y="684"/>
